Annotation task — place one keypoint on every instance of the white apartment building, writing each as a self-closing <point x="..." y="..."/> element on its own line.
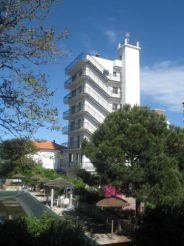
<point x="97" y="87"/>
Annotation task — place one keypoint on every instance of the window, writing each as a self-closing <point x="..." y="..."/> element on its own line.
<point x="115" y="90"/>
<point x="79" y="123"/>
<point x="77" y="157"/>
<point x="71" y="140"/>
<point x="114" y="106"/>
<point x="114" y="73"/>
<point x="72" y="125"/>
<point x="80" y="106"/>
<point x="75" y="76"/>
<point x="105" y="72"/>
<point x="70" y="159"/>
<point x="78" y="141"/>
<point x="72" y="109"/>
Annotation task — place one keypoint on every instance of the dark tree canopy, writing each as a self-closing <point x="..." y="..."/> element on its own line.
<point x="15" y="156"/>
<point x="133" y="151"/>
<point x="24" y="45"/>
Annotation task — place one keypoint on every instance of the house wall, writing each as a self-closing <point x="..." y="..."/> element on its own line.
<point x="50" y="159"/>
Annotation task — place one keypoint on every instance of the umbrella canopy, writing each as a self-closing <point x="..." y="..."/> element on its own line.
<point x="43" y="180"/>
<point x="18" y="176"/>
<point x="112" y="202"/>
<point x="58" y="183"/>
<point x="36" y="177"/>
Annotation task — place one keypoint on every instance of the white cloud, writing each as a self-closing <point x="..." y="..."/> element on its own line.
<point x="164" y="83"/>
<point x="111" y="35"/>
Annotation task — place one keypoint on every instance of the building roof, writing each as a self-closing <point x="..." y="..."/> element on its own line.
<point x="48" y="145"/>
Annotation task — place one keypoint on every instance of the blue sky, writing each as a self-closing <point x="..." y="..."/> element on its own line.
<point x="98" y="26"/>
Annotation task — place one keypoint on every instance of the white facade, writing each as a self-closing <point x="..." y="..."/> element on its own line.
<point x="49" y="154"/>
<point x="97" y="87"/>
<point x="48" y="158"/>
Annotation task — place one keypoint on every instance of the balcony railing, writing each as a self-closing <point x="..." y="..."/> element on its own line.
<point x="73" y="144"/>
<point x="68" y="81"/>
<point x="65" y="130"/>
<point x="93" y="113"/>
<point x="69" y="128"/>
<point x="69" y="112"/>
<point x="73" y="94"/>
<point x="83" y="126"/>
<point x="81" y="57"/>
<point x="65" y="144"/>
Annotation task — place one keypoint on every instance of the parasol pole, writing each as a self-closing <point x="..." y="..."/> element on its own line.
<point x="112" y="228"/>
<point x="52" y="198"/>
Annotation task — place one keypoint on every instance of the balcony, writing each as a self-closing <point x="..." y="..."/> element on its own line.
<point x="70" y="112"/>
<point x="65" y="130"/>
<point x="85" y="126"/>
<point x="68" y="82"/>
<point x="79" y="58"/>
<point x="65" y="144"/>
<point x="71" y="128"/>
<point x="73" y="94"/>
<point x="72" y="145"/>
<point x="77" y="78"/>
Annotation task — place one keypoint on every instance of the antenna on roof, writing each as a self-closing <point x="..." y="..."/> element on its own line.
<point x="127" y="37"/>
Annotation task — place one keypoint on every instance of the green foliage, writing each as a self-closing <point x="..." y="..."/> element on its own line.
<point x="36" y="227"/>
<point x="163" y="225"/>
<point x="43" y="172"/>
<point x="88" y="178"/>
<point x="26" y="43"/>
<point x="15" y="231"/>
<point x="135" y="150"/>
<point x="15" y="148"/>
<point x="44" y="231"/>
<point x="14" y="154"/>
<point x="78" y="183"/>
<point x="84" y="195"/>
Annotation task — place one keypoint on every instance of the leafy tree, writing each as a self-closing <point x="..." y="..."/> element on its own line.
<point x="15" y="155"/>
<point x="131" y="150"/>
<point x="175" y="145"/>
<point x="44" y="231"/>
<point x="88" y="178"/>
<point x="26" y="43"/>
<point x="163" y="225"/>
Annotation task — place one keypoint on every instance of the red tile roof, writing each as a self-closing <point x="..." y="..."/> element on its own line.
<point x="45" y="144"/>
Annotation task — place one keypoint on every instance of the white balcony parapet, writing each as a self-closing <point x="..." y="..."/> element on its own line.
<point x="91" y="93"/>
<point x="99" y="82"/>
<point x="98" y="98"/>
<point x="86" y="108"/>
<point x="78" y="127"/>
<point x="94" y="114"/>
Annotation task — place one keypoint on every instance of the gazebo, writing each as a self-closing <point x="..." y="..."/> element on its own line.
<point x="36" y="177"/>
<point x="59" y="183"/>
<point x="112" y="202"/>
<point x="18" y="176"/>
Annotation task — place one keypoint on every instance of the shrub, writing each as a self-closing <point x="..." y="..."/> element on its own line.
<point x="162" y="226"/>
